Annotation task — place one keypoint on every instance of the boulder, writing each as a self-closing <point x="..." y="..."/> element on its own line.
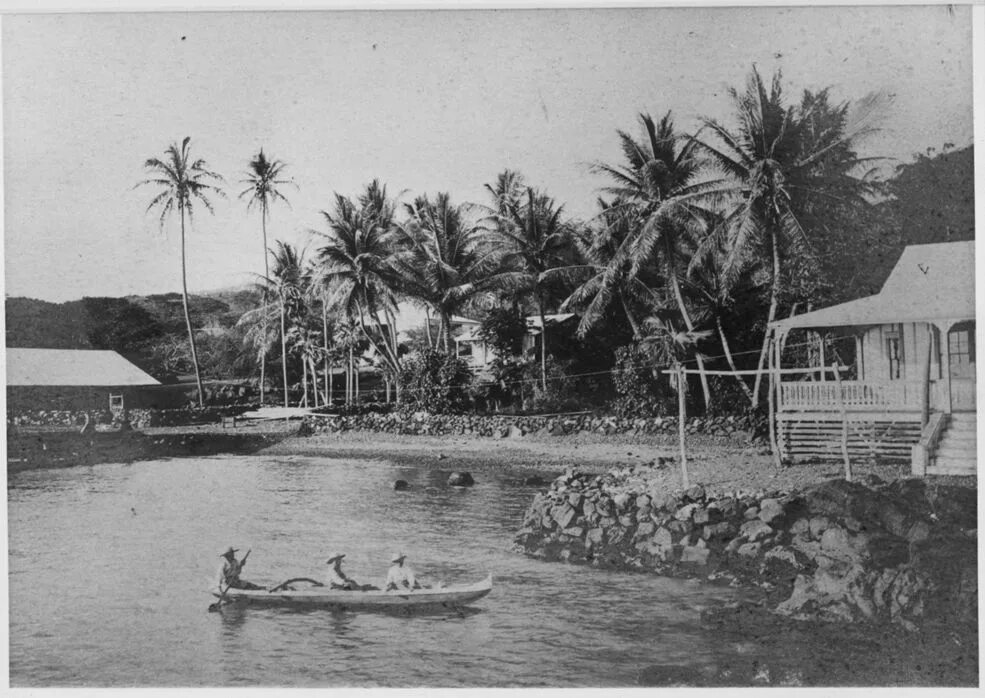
<point x="695" y="555"/>
<point x="695" y="493"/>
<point x="685" y="512"/>
<point x="755" y="530"/>
<point x="460" y="479"/>
<point x="514" y="432"/>
<point x="770" y="511"/>
<point x="401" y="485"/>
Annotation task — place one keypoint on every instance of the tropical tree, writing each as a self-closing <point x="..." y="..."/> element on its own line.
<point x="602" y="275"/>
<point x="182" y="183"/>
<point x="542" y="241"/>
<point x="785" y="163"/>
<point x="264" y="177"/>
<point x="662" y="181"/>
<point x="287" y="282"/>
<point x="353" y="265"/>
<point x="445" y="261"/>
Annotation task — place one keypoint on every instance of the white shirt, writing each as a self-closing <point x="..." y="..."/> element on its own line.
<point x="337" y="577"/>
<point x="401" y="576"/>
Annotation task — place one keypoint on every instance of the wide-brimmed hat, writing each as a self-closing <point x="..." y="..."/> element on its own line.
<point x="398" y="557"/>
<point x="229" y="552"/>
<point x="334" y="557"/>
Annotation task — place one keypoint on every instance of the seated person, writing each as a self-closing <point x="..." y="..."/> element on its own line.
<point x="231" y="569"/>
<point x="400" y="576"/>
<point x="338" y="579"/>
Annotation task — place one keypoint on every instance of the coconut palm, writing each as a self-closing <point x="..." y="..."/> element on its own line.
<point x="602" y="276"/>
<point x="542" y="241"/>
<point x="287" y="282"/>
<point x="445" y="261"/>
<point x="783" y="161"/>
<point x="264" y="177"/>
<point x="353" y="265"/>
<point x="183" y="182"/>
<point x="662" y="181"/>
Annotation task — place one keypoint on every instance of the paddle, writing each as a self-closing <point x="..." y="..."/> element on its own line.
<point x="280" y="586"/>
<point x="222" y="597"/>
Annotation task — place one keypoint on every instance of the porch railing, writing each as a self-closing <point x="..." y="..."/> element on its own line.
<point x="855" y="395"/>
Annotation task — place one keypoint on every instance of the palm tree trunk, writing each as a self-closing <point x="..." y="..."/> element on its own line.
<point x="328" y="375"/>
<point x="543" y="341"/>
<point x="629" y="316"/>
<point x="731" y="361"/>
<point x="774" y="296"/>
<point x="266" y="276"/>
<point x="427" y="328"/>
<point x="706" y="393"/>
<point x="331" y="382"/>
<point x="304" y="381"/>
<point x="446" y="330"/>
<point x="188" y="319"/>
<point x="348" y="382"/>
<point x="283" y="345"/>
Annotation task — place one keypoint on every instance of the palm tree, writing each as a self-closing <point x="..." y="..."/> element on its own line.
<point x="263" y="178"/>
<point x="182" y="182"/>
<point x="782" y="161"/>
<point x="602" y="276"/>
<point x="288" y="281"/>
<point x="445" y="261"/>
<point x="353" y="265"/>
<point x="662" y="181"/>
<point x="542" y="240"/>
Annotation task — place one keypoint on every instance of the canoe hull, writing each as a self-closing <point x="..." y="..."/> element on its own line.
<point x="335" y="598"/>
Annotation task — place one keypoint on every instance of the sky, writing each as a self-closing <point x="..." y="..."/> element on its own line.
<point x="426" y="101"/>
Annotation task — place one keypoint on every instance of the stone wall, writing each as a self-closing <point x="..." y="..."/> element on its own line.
<point x="509" y="426"/>
<point x="837" y="551"/>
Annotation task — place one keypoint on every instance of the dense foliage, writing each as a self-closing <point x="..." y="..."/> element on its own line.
<point x="435" y="381"/>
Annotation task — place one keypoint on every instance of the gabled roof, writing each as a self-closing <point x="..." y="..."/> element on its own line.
<point x="79" y="367"/>
<point x="928" y="283"/>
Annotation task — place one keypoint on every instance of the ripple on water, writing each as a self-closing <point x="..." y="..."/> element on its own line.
<point x="124" y="597"/>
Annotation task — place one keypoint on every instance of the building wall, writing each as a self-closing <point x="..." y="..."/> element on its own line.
<point x="913" y="343"/>
<point x="32" y="397"/>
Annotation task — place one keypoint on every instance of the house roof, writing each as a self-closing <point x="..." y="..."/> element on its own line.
<point x="78" y="367"/>
<point x="928" y="283"/>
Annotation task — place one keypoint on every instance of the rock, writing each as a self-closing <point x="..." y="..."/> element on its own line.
<point x="695" y="555"/>
<point x="400" y="485"/>
<point x="818" y="525"/>
<point x="835" y="543"/>
<point x="574" y="499"/>
<point x="718" y="532"/>
<point x="643" y="501"/>
<point x="564" y="515"/>
<point x="574" y="531"/>
<point x="751" y="513"/>
<point x="755" y="530"/>
<point x="515" y="432"/>
<point x="748" y="549"/>
<point x="663" y="537"/>
<point x="460" y="479"/>
<point x="644" y="529"/>
<point x="801" y="527"/>
<point x="695" y="493"/>
<point x="594" y="537"/>
<point x="442" y="456"/>
<point x="770" y="511"/>
<point x="685" y="512"/>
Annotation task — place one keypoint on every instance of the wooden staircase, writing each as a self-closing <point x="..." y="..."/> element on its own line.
<point x="957" y="452"/>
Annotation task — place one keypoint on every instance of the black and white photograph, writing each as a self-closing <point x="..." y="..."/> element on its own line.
<point x="491" y="347"/>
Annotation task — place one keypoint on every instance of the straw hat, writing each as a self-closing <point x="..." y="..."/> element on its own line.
<point x="334" y="557"/>
<point x="399" y="557"/>
<point x="230" y="552"/>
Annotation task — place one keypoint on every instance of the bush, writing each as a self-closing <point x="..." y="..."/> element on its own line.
<point x="639" y="392"/>
<point x="434" y="381"/>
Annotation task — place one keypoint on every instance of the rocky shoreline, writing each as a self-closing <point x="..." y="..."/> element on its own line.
<point x="902" y="553"/>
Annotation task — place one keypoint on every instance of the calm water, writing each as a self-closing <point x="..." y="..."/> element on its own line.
<point x="103" y="596"/>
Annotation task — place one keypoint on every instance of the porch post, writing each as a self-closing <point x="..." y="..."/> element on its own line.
<point x="824" y="362"/>
<point x="945" y="328"/>
<point x="772" y="395"/>
<point x="925" y="385"/>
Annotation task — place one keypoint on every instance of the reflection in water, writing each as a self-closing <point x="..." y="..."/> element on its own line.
<point x="125" y="597"/>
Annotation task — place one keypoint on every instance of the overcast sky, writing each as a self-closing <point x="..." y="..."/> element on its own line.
<point x="426" y="101"/>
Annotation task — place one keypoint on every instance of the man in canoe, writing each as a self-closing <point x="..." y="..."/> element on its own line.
<point x="232" y="568"/>
<point x="400" y="576"/>
<point x="338" y="579"/>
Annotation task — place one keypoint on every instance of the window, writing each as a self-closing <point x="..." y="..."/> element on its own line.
<point x="894" y="352"/>
<point x="961" y="351"/>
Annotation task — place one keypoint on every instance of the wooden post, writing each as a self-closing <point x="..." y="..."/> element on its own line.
<point x="925" y="385"/>
<point x="946" y="359"/>
<point x="681" y="416"/>
<point x="844" y="421"/>
<point x="771" y="395"/>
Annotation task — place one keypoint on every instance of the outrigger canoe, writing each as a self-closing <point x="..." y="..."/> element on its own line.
<point x="339" y="598"/>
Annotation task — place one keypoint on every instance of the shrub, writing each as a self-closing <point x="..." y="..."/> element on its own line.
<point x="639" y="392"/>
<point x="434" y="381"/>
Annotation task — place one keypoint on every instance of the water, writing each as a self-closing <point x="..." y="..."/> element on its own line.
<point x="110" y="568"/>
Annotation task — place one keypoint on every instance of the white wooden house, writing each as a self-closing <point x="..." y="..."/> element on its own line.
<point x="913" y="393"/>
